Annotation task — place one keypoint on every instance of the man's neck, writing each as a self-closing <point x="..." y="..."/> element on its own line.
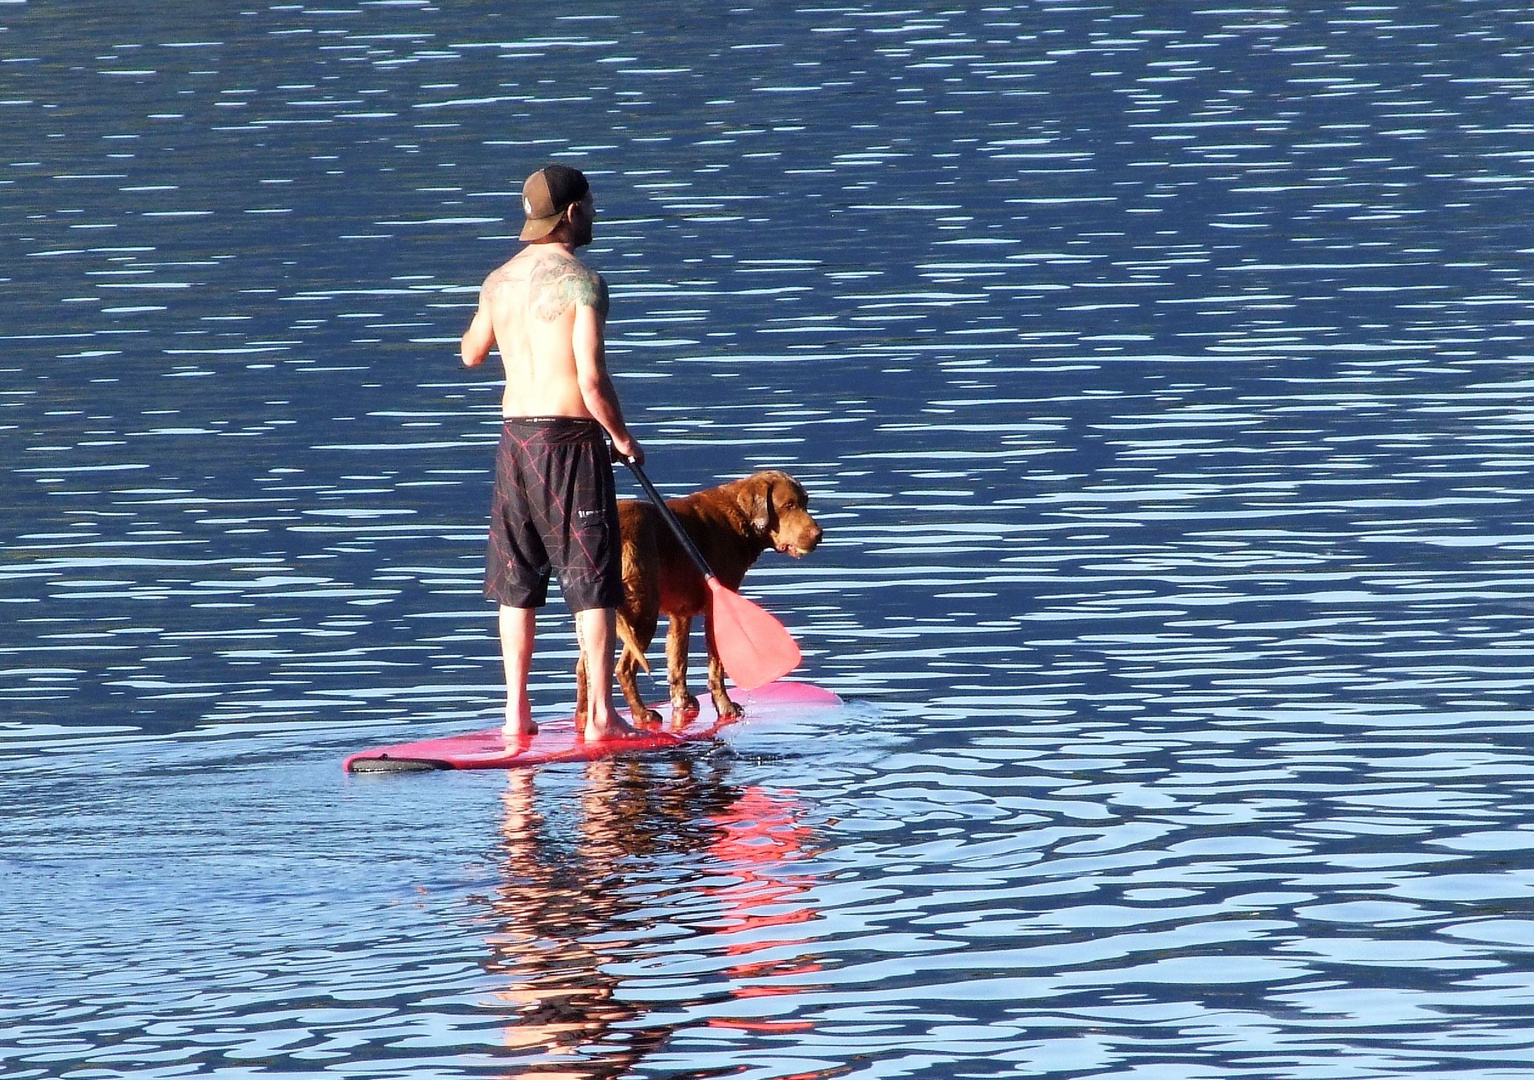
<point x="552" y="243"/>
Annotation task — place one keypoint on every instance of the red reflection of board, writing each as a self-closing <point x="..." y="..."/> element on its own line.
<point x="556" y="739"/>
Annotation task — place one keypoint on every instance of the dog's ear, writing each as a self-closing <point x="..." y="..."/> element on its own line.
<point x="761" y="503"/>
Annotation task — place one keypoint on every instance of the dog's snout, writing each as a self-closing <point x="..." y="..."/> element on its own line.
<point x="808" y="535"/>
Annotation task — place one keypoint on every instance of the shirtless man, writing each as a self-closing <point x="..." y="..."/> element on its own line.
<point x="555" y="502"/>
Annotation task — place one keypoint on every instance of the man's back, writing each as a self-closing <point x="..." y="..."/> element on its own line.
<point x="546" y="310"/>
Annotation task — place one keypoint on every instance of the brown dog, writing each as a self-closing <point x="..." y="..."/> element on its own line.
<point x="731" y="525"/>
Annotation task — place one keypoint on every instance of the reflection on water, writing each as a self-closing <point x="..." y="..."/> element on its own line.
<point x="572" y="903"/>
<point x="1161" y="372"/>
<point x="559" y="914"/>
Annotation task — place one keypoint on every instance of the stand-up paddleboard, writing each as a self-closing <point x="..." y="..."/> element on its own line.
<point x="556" y="741"/>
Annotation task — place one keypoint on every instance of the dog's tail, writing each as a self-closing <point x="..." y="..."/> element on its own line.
<point x="626" y="635"/>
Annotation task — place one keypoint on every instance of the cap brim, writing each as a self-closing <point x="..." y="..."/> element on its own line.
<point x="537" y="228"/>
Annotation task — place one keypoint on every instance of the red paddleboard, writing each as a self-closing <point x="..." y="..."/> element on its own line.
<point x="556" y="739"/>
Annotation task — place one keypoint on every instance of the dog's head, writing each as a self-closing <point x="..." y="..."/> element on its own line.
<point x="779" y="509"/>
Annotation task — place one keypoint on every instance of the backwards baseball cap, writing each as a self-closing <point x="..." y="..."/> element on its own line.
<point x="546" y="196"/>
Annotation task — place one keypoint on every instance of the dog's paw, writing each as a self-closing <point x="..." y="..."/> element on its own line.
<point x="728" y="710"/>
<point x="647" y="720"/>
<point x="685" y="706"/>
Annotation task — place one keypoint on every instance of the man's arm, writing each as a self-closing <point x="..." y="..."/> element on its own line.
<point x="597" y="391"/>
<point x="479" y="338"/>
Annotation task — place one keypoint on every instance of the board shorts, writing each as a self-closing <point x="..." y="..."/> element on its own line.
<point x="555" y="508"/>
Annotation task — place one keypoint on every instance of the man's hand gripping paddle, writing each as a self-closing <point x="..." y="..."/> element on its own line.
<point x="753" y="646"/>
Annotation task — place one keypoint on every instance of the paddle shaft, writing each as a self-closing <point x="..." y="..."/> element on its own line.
<point x="670" y="519"/>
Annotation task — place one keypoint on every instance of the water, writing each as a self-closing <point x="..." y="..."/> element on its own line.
<point x="1161" y="375"/>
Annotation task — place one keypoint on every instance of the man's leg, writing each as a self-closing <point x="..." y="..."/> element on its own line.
<point x="595" y="629"/>
<point x="517" y="656"/>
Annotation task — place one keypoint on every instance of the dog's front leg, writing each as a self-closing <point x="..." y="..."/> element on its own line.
<point x="683" y="705"/>
<point x="726" y="708"/>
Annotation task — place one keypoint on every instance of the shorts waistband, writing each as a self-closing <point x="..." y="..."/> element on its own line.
<point x="552" y="423"/>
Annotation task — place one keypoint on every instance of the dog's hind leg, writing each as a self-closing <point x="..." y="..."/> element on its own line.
<point x="625" y="672"/>
<point x="635" y="633"/>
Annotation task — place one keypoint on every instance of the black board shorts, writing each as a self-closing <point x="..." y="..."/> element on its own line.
<point x="555" y="508"/>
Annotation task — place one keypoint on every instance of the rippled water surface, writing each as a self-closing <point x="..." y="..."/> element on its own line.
<point x="1162" y="377"/>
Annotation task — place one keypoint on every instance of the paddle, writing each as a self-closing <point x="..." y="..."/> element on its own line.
<point x="753" y="646"/>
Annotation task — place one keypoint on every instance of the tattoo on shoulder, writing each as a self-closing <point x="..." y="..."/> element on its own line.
<point x="558" y="284"/>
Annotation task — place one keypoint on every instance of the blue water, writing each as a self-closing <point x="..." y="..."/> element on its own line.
<point x="1162" y="375"/>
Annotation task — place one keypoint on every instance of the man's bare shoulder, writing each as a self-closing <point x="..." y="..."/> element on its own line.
<point x="559" y="282"/>
<point x="513" y="272"/>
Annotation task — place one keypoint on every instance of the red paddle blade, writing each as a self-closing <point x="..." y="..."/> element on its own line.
<point x="753" y="646"/>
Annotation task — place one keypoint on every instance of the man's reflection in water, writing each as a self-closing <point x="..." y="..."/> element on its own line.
<point x="566" y="903"/>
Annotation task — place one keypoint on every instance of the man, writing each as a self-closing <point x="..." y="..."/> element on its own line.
<point x="555" y="503"/>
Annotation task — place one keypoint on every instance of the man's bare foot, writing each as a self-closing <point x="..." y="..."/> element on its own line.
<point x="612" y="726"/>
<point x="519" y="727"/>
